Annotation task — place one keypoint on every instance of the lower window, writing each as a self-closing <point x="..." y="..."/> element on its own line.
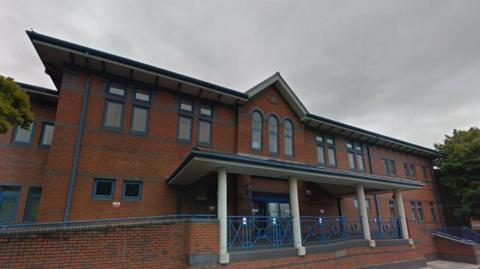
<point x="103" y="188"/>
<point x="31" y="208"/>
<point x="132" y="190"/>
<point x="9" y="197"/>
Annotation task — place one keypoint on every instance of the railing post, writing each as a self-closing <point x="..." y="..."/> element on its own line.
<point x="222" y="214"/>
<point x="401" y="215"/>
<point x="344" y="227"/>
<point x="362" y="208"/>
<point x="295" y="210"/>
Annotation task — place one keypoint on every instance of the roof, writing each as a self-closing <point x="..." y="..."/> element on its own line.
<point x="48" y="49"/>
<point x="38" y="90"/>
<point x="199" y="162"/>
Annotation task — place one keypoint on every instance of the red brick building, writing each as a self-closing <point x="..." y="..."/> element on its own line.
<point x="119" y="138"/>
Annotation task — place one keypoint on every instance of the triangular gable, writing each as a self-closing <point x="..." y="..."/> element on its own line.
<point x="286" y="92"/>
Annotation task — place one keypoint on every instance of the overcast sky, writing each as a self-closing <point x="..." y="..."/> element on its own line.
<point x="407" y="69"/>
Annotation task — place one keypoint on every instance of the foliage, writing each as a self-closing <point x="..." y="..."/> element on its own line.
<point x="459" y="172"/>
<point x="14" y="105"/>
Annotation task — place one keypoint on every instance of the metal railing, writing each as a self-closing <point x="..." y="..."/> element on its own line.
<point x="330" y="229"/>
<point x="387" y="228"/>
<point x="460" y="233"/>
<point x="259" y="231"/>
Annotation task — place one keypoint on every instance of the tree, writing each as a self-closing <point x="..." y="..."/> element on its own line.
<point x="459" y="173"/>
<point x="14" y="105"/>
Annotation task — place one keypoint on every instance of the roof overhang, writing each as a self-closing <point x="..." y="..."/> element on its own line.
<point x="56" y="54"/>
<point x="200" y="163"/>
<point x="41" y="94"/>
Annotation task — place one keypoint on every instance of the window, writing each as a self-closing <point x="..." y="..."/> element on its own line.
<point x="367" y="203"/>
<point x="432" y="211"/>
<point x="256" y="123"/>
<point x="320" y="150"/>
<point x="288" y="137"/>
<point x="8" y="203"/>
<point x="186" y="105"/>
<point x="272" y="134"/>
<point x="23" y="136"/>
<point x="332" y="161"/>
<point x="142" y="96"/>
<point x="414" y="173"/>
<point x="389" y="167"/>
<point x="47" y="134"/>
<point x="206" y="111"/>
<point x="132" y="190"/>
<point x="406" y="169"/>
<point x="417" y="210"/>
<point x="355" y="156"/>
<point x="103" y="188"/>
<point x="116" y="90"/>
<point x="425" y="172"/>
<point x="31" y="208"/>
<point x="205" y="132"/>
<point x="113" y="116"/>
<point x="391" y="207"/>
<point x="139" y="121"/>
<point x="184" y="128"/>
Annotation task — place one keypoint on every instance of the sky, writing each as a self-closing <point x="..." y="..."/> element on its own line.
<point x="406" y="69"/>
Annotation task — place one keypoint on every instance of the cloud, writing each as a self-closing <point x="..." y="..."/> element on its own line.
<point x="408" y="69"/>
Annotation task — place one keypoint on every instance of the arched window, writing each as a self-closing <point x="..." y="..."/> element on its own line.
<point x="273" y="134"/>
<point x="288" y="137"/>
<point x="257" y="120"/>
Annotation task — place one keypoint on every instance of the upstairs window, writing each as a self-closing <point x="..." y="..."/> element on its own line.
<point x="186" y="105"/>
<point x="272" y="134"/>
<point x="393" y="168"/>
<point x="417" y="210"/>
<point x="185" y="121"/>
<point x="385" y="167"/>
<point x="9" y="197"/>
<point x="142" y="96"/>
<point x="320" y="150"/>
<point x="256" y="126"/>
<point x="116" y="90"/>
<point x="22" y="136"/>
<point x="103" y="188"/>
<point x="426" y="175"/>
<point x="206" y="111"/>
<point x="47" y="134"/>
<point x="332" y="161"/>
<point x="406" y="169"/>
<point x="326" y="150"/>
<point x="288" y="137"/>
<point x="389" y="167"/>
<point x="205" y="125"/>
<point x="139" y="121"/>
<point x="413" y="171"/>
<point x="113" y="115"/>
<point x="355" y="156"/>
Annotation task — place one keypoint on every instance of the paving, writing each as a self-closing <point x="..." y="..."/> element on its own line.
<point x="439" y="264"/>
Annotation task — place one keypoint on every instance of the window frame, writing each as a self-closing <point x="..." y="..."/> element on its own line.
<point x="286" y="136"/>
<point x="413" y="171"/>
<point x="355" y="152"/>
<point x="139" y="101"/>
<point x="320" y="144"/>
<point x="180" y="109"/>
<point x="140" y="190"/>
<point x="209" y="142"/>
<point x="252" y="130"/>
<point x="31" y="194"/>
<point x="132" y="118"/>
<point x="433" y="211"/>
<point x="14" y="134"/>
<point x="406" y="169"/>
<point x="109" y="94"/>
<point x="333" y="147"/>
<point x="184" y="140"/>
<point x="103" y="197"/>
<point x="203" y="116"/>
<point x="392" y="168"/>
<point x="42" y="133"/>
<point x="18" y="190"/>
<point x="122" y="115"/>
<point x="276" y="133"/>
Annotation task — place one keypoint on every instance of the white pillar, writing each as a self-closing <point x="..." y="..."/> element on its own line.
<point x="222" y="214"/>
<point x="362" y="209"/>
<point x="295" y="211"/>
<point x="401" y="214"/>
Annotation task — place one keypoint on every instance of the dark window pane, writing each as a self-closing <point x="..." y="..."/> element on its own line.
<point x="420" y="211"/>
<point x="139" y="119"/>
<point x="47" y="134"/>
<point x="184" y="128"/>
<point x="414" y="172"/>
<point x="31" y="207"/>
<point x="288" y="146"/>
<point x="23" y="135"/>
<point x="113" y="115"/>
<point x="256" y="126"/>
<point x="406" y="169"/>
<point x="103" y="188"/>
<point x="8" y="203"/>
<point x="385" y="167"/>
<point x="132" y="190"/>
<point x="351" y="160"/>
<point x="204" y="134"/>
<point x="393" y="168"/>
<point x="331" y="156"/>
<point x="288" y="137"/>
<point x="360" y="164"/>
<point x="273" y="134"/>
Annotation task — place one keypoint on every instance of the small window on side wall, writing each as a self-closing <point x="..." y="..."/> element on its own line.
<point x="47" y="134"/>
<point x="9" y="197"/>
<point x="113" y="115"/>
<point x="103" y="188"/>
<point x="142" y="96"/>
<point x="132" y="190"/>
<point x="139" y="121"/>
<point x="184" y="129"/>
<point x="205" y="132"/>
<point x="22" y="136"/>
<point x="116" y="90"/>
<point x="31" y="208"/>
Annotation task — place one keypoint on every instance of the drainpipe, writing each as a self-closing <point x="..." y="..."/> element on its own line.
<point x="76" y="154"/>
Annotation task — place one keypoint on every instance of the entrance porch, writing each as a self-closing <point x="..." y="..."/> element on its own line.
<point x="266" y="203"/>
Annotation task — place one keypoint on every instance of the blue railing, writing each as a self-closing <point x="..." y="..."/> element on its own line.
<point x="330" y="229"/>
<point x="460" y="233"/>
<point x="387" y="228"/>
<point x="259" y="231"/>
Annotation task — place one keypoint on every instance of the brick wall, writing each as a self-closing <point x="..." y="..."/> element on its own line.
<point x="452" y="250"/>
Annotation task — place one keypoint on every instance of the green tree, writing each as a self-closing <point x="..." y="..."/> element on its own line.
<point x="14" y="105"/>
<point x="459" y="173"/>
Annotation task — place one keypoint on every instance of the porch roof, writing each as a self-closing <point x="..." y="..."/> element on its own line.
<point x="201" y="162"/>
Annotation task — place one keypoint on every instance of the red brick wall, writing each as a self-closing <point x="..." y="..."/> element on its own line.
<point x="456" y="251"/>
<point x="24" y="165"/>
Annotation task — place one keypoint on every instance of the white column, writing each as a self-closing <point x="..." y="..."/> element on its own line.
<point x="401" y="213"/>
<point x="295" y="211"/>
<point x="362" y="209"/>
<point x="222" y="214"/>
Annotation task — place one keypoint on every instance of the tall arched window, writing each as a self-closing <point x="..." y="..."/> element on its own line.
<point x="273" y="134"/>
<point x="288" y="137"/>
<point x="257" y="120"/>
